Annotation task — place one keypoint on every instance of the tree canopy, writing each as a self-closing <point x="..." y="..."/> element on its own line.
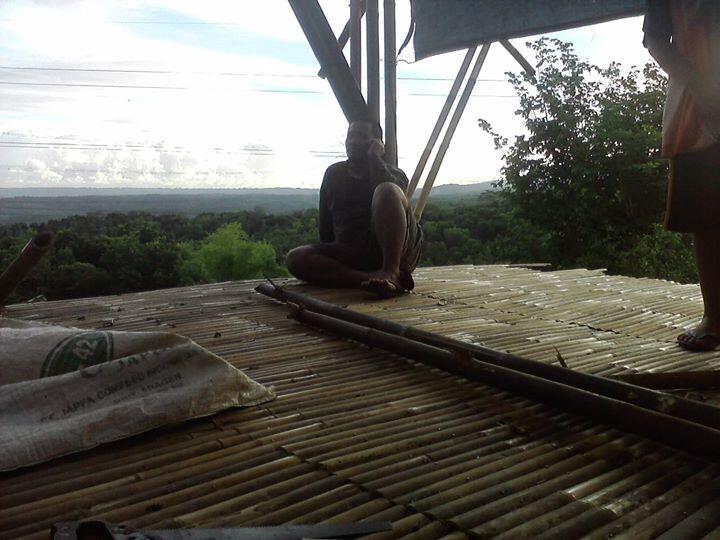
<point x="588" y="171"/>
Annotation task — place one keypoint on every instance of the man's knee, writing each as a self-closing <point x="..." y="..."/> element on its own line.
<point x="389" y="192"/>
<point x="296" y="260"/>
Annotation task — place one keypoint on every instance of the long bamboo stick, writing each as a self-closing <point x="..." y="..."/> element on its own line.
<point x="686" y="409"/>
<point x="372" y="20"/>
<point x="452" y="126"/>
<point x="674" y="379"/>
<point x="357" y="9"/>
<point x="440" y="122"/>
<point x="664" y="428"/>
<point x="517" y="55"/>
<point x="327" y="50"/>
<point x="347" y="33"/>
<point x="391" y="153"/>
<point x="30" y="255"/>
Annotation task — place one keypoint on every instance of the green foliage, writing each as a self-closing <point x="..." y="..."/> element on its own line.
<point x="587" y="173"/>
<point x="661" y="254"/>
<point x="78" y="280"/>
<point x="228" y="254"/>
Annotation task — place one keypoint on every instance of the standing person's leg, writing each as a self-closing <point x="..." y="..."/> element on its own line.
<point x="694" y="206"/>
<point x="389" y="222"/>
<point x="706" y="335"/>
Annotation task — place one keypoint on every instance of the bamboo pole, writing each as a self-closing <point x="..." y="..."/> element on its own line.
<point x="327" y="50"/>
<point x="357" y="8"/>
<point x="30" y="255"/>
<point x="391" y="155"/>
<point x="673" y="431"/>
<point x="454" y="121"/>
<point x="517" y="55"/>
<point x="674" y="379"/>
<point x="372" y="20"/>
<point x="686" y="409"/>
<point x="346" y="34"/>
<point x="440" y="122"/>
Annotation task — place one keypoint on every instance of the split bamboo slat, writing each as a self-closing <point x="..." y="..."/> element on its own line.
<point x="360" y="434"/>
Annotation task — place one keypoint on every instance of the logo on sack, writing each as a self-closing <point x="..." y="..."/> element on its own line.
<point x="78" y="351"/>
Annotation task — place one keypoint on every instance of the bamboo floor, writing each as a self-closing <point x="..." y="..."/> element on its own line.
<point x="358" y="434"/>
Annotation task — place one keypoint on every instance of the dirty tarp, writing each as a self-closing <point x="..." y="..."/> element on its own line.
<point x="449" y="25"/>
<point x="63" y="390"/>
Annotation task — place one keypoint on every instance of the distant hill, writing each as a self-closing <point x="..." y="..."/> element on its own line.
<point x="36" y="205"/>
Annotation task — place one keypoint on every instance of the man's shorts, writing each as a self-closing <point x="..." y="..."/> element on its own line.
<point x="366" y="256"/>
<point x="693" y="202"/>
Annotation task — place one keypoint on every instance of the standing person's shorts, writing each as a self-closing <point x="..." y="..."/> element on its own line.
<point x="693" y="202"/>
<point x="365" y="254"/>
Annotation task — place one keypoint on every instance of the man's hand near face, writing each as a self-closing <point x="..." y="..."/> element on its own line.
<point x="376" y="148"/>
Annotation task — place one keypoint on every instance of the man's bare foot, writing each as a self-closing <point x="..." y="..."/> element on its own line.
<point x="383" y="284"/>
<point x="704" y="337"/>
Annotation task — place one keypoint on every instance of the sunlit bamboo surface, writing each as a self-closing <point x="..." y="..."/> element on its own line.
<point x="359" y="434"/>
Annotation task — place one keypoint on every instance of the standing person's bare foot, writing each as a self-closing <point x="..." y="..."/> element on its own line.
<point x="704" y="337"/>
<point x="383" y="284"/>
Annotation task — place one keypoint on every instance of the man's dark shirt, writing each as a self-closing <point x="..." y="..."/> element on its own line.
<point x="346" y="198"/>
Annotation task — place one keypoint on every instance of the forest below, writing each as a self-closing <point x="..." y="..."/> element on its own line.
<point x="116" y="253"/>
<point x="584" y="187"/>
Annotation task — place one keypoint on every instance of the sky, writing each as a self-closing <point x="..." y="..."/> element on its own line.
<point x="224" y="94"/>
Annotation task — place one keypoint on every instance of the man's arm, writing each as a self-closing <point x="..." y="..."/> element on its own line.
<point x="325" y="225"/>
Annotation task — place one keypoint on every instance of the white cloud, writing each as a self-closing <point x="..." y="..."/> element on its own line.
<point x="219" y="130"/>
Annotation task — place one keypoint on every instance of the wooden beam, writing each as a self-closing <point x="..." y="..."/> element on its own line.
<point x="372" y="20"/>
<point x="695" y="380"/>
<point x="391" y="153"/>
<point x="330" y="56"/>
<point x="357" y="9"/>
<point x="517" y="55"/>
<point x="345" y="34"/>
<point x="34" y="250"/>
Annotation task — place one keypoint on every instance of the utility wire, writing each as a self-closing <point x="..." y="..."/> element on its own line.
<point x="124" y="171"/>
<point x="172" y="23"/>
<point x="219" y="73"/>
<point x="252" y="90"/>
<point x="142" y="87"/>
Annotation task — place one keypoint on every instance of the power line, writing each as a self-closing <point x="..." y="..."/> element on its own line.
<point x="84" y="144"/>
<point x="88" y="85"/>
<point x="333" y="153"/>
<point x="173" y="23"/>
<point x="252" y="90"/>
<point x="219" y="73"/>
<point x="143" y="87"/>
<point x="125" y="147"/>
<point x="124" y="171"/>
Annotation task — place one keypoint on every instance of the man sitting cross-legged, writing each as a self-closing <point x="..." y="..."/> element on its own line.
<point x="368" y="235"/>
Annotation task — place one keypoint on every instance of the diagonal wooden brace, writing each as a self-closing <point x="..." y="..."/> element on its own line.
<point x="332" y="60"/>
